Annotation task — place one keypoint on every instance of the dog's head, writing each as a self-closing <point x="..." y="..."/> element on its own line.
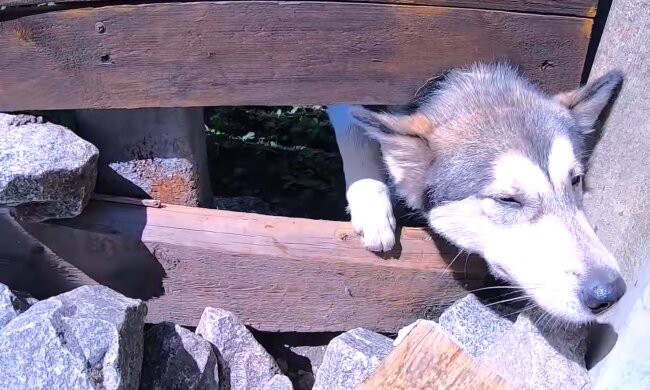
<point x="497" y="167"/>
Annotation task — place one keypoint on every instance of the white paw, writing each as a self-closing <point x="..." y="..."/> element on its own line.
<point x="372" y="214"/>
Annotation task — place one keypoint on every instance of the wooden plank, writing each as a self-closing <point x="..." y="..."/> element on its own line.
<point x="568" y="7"/>
<point x="278" y="274"/>
<point x="428" y="359"/>
<point x="260" y="53"/>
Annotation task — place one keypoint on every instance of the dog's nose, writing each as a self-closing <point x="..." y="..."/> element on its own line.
<point x="602" y="290"/>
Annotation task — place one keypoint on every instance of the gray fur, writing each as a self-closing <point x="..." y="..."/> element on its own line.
<point x="483" y="112"/>
<point x="488" y="157"/>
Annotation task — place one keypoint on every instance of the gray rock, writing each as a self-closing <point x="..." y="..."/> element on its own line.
<point x="474" y="326"/>
<point x="12" y="303"/>
<point x="246" y="204"/>
<point x="279" y="382"/>
<point x="537" y="358"/>
<point x="315" y="354"/>
<point x="175" y="358"/>
<point x="350" y="358"/>
<point x="46" y="171"/>
<point x="618" y="203"/>
<point x="627" y="362"/>
<point x="88" y="338"/>
<point x="245" y="363"/>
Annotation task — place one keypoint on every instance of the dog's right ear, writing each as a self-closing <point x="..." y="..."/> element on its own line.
<point x="405" y="147"/>
<point x="383" y="126"/>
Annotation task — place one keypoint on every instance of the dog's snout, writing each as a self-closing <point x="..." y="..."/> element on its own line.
<point x="602" y="290"/>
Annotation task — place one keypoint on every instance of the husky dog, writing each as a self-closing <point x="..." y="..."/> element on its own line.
<point x="496" y="166"/>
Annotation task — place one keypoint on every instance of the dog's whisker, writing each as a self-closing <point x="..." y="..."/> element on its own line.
<point x="451" y="263"/>
<point x="506" y="294"/>
<point x="526" y="308"/>
<point x="465" y="268"/>
<point x="496" y="287"/>
<point x="515" y="299"/>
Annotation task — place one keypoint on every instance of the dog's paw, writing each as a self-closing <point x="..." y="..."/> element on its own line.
<point x="372" y="214"/>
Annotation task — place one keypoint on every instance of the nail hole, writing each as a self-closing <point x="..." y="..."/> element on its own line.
<point x="105" y="59"/>
<point x="100" y="28"/>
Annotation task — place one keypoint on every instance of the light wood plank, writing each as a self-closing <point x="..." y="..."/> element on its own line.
<point x="278" y="274"/>
<point x="427" y="359"/>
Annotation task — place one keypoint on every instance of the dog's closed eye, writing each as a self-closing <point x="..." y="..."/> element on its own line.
<point x="508" y="200"/>
<point x="576" y="180"/>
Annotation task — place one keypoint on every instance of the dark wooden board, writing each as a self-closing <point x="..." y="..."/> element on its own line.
<point x="427" y="359"/>
<point x="278" y="274"/>
<point x="261" y="53"/>
<point x="568" y="7"/>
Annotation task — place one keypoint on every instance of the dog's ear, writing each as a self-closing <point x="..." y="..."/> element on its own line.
<point x="385" y="125"/>
<point x="403" y="120"/>
<point x="405" y="148"/>
<point x="589" y="101"/>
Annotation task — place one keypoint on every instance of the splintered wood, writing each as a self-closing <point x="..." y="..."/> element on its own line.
<point x="427" y="359"/>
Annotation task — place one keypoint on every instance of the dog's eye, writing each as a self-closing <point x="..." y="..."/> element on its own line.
<point x="508" y="201"/>
<point x="576" y="180"/>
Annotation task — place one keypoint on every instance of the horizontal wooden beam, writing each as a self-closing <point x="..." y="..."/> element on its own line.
<point x="567" y="7"/>
<point x="268" y="53"/>
<point x="427" y="359"/>
<point x="278" y="274"/>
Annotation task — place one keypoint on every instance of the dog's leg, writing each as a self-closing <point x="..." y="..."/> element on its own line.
<point x="368" y="195"/>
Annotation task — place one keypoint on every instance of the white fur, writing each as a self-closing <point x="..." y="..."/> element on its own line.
<point x="540" y="256"/>
<point x="368" y="196"/>
<point x="561" y="162"/>
<point x="514" y="172"/>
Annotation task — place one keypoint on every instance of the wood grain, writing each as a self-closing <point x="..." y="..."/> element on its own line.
<point x="278" y="274"/>
<point x="566" y="7"/>
<point x="261" y="53"/>
<point x="427" y="359"/>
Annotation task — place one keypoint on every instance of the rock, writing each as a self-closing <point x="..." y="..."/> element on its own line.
<point x="627" y="361"/>
<point x="350" y="358"/>
<point x="175" y="358"/>
<point x="12" y="303"/>
<point x="245" y="363"/>
<point x="537" y="358"/>
<point x="46" y="171"/>
<point x="617" y="203"/>
<point x="246" y="204"/>
<point x="474" y="326"/>
<point x="88" y="338"/>
<point x="314" y="354"/>
<point x="278" y="382"/>
<point x="299" y="363"/>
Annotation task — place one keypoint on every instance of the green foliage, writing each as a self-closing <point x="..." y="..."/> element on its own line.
<point x="287" y="156"/>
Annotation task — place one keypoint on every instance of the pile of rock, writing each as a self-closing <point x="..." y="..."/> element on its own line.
<point x="93" y="337"/>
<point x="528" y="356"/>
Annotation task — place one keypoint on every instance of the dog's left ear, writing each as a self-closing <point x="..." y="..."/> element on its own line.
<point x="589" y="101"/>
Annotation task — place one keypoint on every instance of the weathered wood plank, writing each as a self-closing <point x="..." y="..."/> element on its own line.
<point x="260" y="53"/>
<point x="278" y="274"/>
<point x="568" y="7"/>
<point x="428" y="359"/>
